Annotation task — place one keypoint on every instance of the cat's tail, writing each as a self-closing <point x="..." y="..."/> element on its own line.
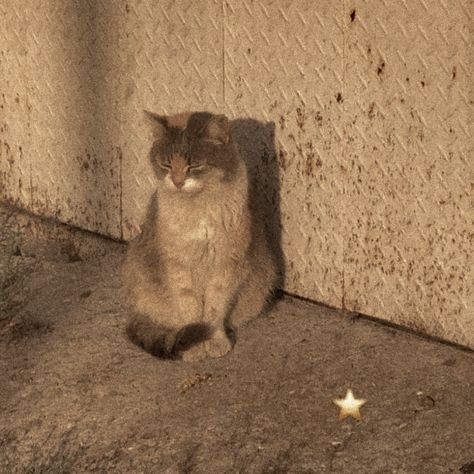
<point x="164" y="342"/>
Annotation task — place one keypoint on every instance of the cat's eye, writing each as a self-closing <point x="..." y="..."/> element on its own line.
<point x="213" y="141"/>
<point x="196" y="169"/>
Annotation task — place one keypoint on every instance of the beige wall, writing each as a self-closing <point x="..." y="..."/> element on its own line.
<point x="365" y="109"/>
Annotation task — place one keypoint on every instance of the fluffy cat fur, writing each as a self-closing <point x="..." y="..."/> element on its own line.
<point x="201" y="264"/>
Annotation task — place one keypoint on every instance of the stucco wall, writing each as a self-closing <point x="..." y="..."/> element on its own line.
<point x="357" y="114"/>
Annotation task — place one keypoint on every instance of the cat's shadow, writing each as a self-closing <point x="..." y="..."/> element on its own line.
<point x="256" y="143"/>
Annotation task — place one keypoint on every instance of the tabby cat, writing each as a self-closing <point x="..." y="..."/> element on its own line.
<point x="201" y="265"/>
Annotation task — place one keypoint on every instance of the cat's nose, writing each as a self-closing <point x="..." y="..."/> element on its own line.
<point x="178" y="183"/>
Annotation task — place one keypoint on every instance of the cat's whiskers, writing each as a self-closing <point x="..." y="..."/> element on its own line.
<point x="191" y="184"/>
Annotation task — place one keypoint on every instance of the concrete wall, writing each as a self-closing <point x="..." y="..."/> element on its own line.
<point x="357" y="114"/>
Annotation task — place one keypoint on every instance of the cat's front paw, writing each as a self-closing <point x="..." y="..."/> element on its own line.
<point x="195" y="353"/>
<point x="218" y="346"/>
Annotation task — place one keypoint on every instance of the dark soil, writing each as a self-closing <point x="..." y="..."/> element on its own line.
<point x="77" y="396"/>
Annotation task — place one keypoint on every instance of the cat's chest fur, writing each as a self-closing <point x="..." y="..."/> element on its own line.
<point x="203" y="231"/>
<point x="198" y="233"/>
<point x="200" y="225"/>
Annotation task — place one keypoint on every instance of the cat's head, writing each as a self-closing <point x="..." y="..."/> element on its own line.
<point x="192" y="151"/>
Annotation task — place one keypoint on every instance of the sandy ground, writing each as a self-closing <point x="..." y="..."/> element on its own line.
<point x="77" y="396"/>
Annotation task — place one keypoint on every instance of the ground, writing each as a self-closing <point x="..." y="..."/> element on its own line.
<point x="77" y="396"/>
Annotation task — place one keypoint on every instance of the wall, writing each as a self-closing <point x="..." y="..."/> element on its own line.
<point x="366" y="108"/>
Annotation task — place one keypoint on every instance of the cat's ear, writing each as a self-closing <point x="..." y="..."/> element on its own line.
<point x="218" y="130"/>
<point x="157" y="123"/>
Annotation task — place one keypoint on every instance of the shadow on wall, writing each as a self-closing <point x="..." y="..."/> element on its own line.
<point x="256" y="143"/>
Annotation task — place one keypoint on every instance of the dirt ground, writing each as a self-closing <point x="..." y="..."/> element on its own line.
<point x="77" y="396"/>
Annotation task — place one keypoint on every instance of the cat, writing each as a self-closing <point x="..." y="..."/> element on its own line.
<point x="201" y="265"/>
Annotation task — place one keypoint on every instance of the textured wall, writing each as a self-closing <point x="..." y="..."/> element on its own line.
<point x="410" y="173"/>
<point x="58" y="134"/>
<point x="356" y="117"/>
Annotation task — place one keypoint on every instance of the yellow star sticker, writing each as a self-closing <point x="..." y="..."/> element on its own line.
<point x="349" y="406"/>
